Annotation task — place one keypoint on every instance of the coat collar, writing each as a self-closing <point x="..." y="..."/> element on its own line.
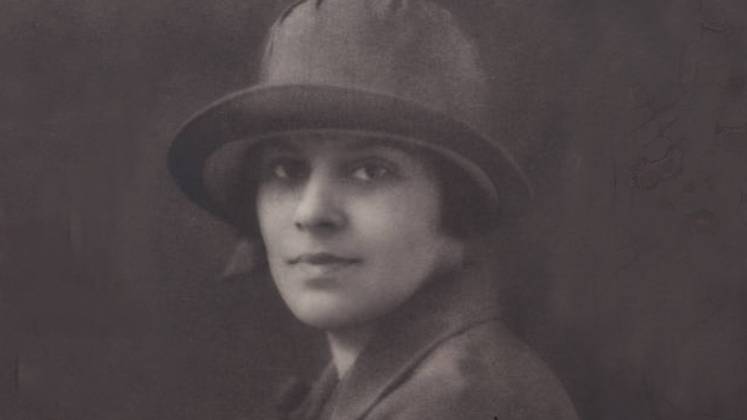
<point x="315" y="398"/>
<point x="447" y="306"/>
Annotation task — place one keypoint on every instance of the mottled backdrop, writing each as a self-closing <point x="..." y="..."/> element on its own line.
<point x="631" y="117"/>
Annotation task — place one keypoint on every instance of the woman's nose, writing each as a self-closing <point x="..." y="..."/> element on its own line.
<point x="318" y="209"/>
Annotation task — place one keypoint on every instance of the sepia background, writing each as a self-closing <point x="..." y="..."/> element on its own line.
<point x="630" y="117"/>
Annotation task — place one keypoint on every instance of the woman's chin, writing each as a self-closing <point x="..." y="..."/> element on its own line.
<point x="330" y="318"/>
<point x="324" y="320"/>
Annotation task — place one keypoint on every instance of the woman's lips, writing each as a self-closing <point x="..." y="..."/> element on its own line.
<point x="322" y="259"/>
<point x="320" y="270"/>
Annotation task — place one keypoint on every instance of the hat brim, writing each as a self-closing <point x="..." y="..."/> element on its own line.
<point x="208" y="149"/>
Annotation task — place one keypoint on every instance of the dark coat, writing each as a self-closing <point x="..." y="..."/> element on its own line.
<point x="443" y="355"/>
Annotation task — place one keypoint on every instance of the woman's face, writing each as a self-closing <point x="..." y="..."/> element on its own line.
<point x="351" y="226"/>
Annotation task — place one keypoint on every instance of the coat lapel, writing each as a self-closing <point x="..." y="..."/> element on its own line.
<point x="316" y="397"/>
<point x="447" y="306"/>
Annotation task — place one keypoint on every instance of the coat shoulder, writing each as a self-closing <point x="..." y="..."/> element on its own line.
<point x="482" y="372"/>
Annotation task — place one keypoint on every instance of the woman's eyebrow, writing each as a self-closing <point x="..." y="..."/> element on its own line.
<point x="348" y="144"/>
<point x="368" y="143"/>
<point x="281" y="146"/>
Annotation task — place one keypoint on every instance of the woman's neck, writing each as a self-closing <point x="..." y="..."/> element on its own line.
<point x="345" y="346"/>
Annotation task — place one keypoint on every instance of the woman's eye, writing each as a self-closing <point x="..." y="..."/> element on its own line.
<point x="287" y="169"/>
<point x="371" y="171"/>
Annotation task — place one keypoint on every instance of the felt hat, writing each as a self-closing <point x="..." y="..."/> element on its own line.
<point x="400" y="69"/>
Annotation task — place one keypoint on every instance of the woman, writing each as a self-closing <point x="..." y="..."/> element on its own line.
<point x="358" y="167"/>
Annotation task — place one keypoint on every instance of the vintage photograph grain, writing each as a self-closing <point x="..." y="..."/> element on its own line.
<point x="373" y="209"/>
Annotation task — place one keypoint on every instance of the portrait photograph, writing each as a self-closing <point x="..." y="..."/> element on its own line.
<point x="373" y="210"/>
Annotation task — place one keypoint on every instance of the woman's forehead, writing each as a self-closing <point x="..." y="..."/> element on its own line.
<point x="338" y="141"/>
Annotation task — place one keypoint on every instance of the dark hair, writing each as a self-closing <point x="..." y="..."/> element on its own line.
<point x="465" y="209"/>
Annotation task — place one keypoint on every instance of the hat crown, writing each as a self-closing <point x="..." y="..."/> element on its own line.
<point x="412" y="49"/>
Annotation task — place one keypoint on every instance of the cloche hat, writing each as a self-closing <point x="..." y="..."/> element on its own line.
<point x="400" y="69"/>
